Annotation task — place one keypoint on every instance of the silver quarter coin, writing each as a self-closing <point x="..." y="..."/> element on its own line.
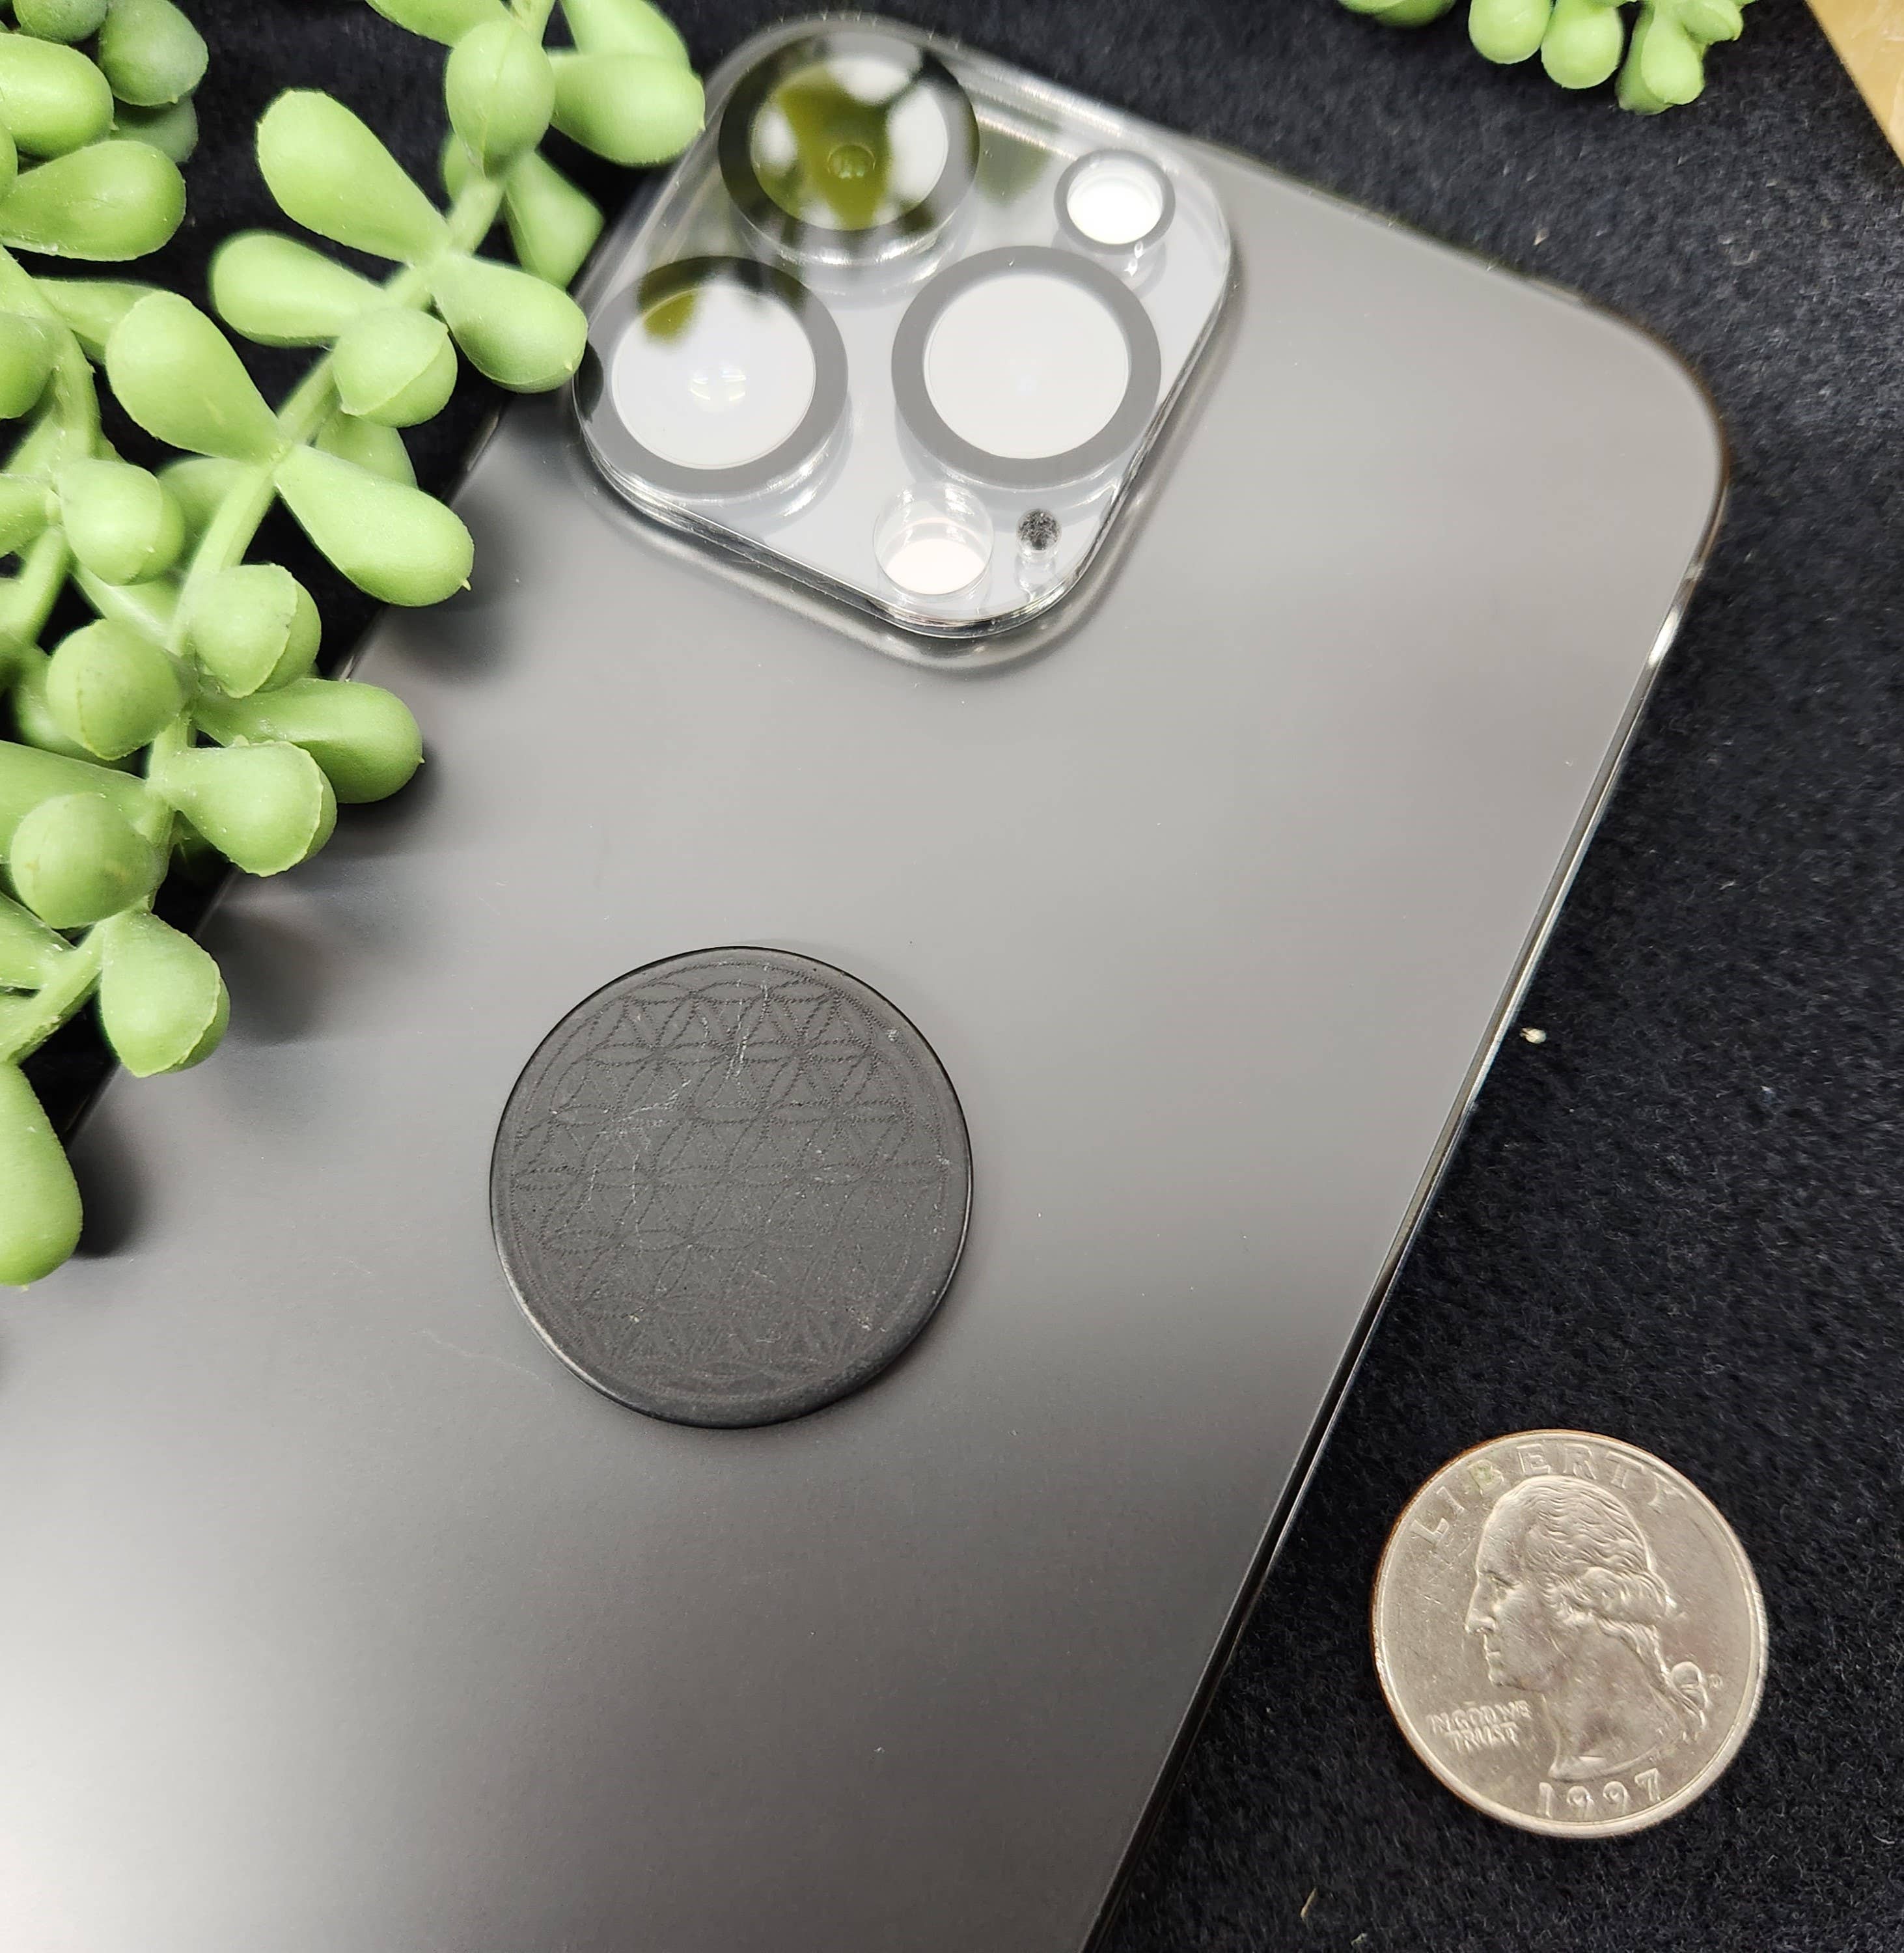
<point x="1569" y="1634"/>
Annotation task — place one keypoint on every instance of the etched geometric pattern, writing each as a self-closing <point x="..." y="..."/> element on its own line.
<point x="730" y="1187"/>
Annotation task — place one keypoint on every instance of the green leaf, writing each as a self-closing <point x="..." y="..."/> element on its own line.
<point x="265" y="807"/>
<point x="27" y="350"/>
<point x="399" y="544"/>
<point x="177" y="376"/>
<point x="92" y="306"/>
<point x="55" y="99"/>
<point x="115" y="200"/>
<point x="501" y="92"/>
<point x="281" y="292"/>
<point x="28" y="777"/>
<point x="150" y="53"/>
<point x="60" y="20"/>
<point x="517" y="329"/>
<point x="552" y="224"/>
<point x="624" y="26"/>
<point x="112" y="689"/>
<point x="40" y="1199"/>
<point x="122" y="522"/>
<point x="252" y="625"/>
<point x="394" y="365"/>
<point x="633" y="109"/>
<point x="23" y="513"/>
<point x="368" y="444"/>
<point x="29" y="950"/>
<point x="365" y="738"/>
<point x="162" y="1004"/>
<point x="172" y="130"/>
<point x="1508" y="30"/>
<point x="330" y="173"/>
<point x="77" y="859"/>
<point x="199" y="483"/>
<point x="445" y="20"/>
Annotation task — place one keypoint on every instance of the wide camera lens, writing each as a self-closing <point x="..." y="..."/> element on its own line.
<point x="1026" y="366"/>
<point x="848" y="146"/>
<point x="723" y="376"/>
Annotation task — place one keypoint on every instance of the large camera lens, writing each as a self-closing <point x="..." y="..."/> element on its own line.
<point x="1026" y="366"/>
<point x="848" y="146"/>
<point x="722" y="376"/>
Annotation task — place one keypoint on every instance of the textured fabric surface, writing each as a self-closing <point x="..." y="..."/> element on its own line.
<point x="1680" y="1219"/>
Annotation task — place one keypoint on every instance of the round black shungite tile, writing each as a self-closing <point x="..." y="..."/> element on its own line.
<point x="730" y="1187"/>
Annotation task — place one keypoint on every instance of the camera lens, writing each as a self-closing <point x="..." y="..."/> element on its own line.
<point x="848" y="146"/>
<point x="1115" y="201"/>
<point x="1026" y="366"/>
<point x="723" y="376"/>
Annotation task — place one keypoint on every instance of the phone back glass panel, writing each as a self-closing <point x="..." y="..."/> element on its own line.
<point x="341" y="1614"/>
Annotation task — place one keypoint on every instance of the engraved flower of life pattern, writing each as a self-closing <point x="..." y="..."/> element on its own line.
<point x="730" y="1187"/>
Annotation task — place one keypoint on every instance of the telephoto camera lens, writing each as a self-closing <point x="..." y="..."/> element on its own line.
<point x="848" y="146"/>
<point x="726" y="376"/>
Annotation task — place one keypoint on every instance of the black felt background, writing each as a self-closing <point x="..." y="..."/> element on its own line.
<point x="1680" y="1220"/>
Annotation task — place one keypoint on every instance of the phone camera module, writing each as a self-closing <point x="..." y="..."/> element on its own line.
<point x="1115" y="202"/>
<point x="849" y="146"/>
<point x="722" y="376"/>
<point x="1026" y="366"/>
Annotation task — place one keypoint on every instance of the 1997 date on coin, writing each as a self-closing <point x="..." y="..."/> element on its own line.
<point x="1569" y="1633"/>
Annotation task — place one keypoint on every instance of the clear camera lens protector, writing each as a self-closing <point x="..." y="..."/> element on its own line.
<point x="902" y="327"/>
<point x="1115" y="201"/>
<point x="722" y="377"/>
<point x="848" y="146"/>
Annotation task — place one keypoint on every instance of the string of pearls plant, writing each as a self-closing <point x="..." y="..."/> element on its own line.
<point x="188" y="709"/>
<point x="1582" y="43"/>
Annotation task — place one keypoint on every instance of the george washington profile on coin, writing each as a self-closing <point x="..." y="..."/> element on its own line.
<point x="1569" y="1633"/>
<point x="1570" y="1606"/>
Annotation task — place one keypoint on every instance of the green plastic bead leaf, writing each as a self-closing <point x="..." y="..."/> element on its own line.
<point x="1665" y="67"/>
<point x="178" y="377"/>
<point x="552" y="224"/>
<point x="60" y="20"/>
<point x="147" y="608"/>
<point x="199" y="483"/>
<point x="625" y="26"/>
<point x="172" y="130"/>
<point x="29" y="776"/>
<point x="280" y="292"/>
<point x="27" y="349"/>
<point x="40" y="1199"/>
<point x="445" y="20"/>
<point x="1583" y="43"/>
<point x="92" y="306"/>
<point x="113" y="201"/>
<point x="33" y="723"/>
<point x="23" y="513"/>
<point x="399" y="544"/>
<point x="77" y="859"/>
<point x="162" y="1004"/>
<point x="29" y="950"/>
<point x="1508" y="30"/>
<point x="9" y="162"/>
<point x="252" y="625"/>
<point x="150" y="53"/>
<point x="395" y="366"/>
<point x="265" y="807"/>
<point x="122" y="522"/>
<point x="55" y="100"/>
<point x="517" y="330"/>
<point x="330" y="173"/>
<point x="111" y="689"/>
<point x="368" y="444"/>
<point x="501" y="92"/>
<point x="365" y="738"/>
<point x="633" y="109"/>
